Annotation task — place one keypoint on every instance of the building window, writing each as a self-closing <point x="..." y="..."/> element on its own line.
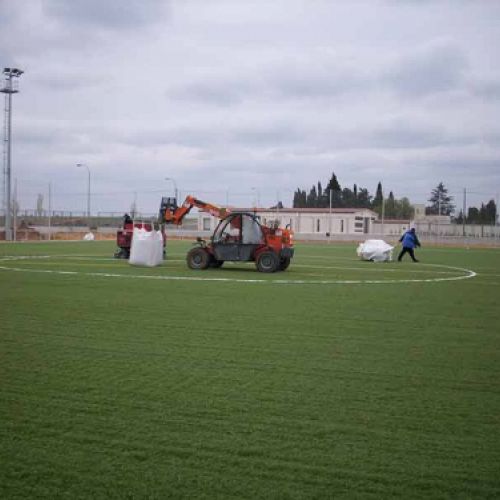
<point x="367" y="225"/>
<point x="358" y="225"/>
<point x="206" y="224"/>
<point x="341" y="225"/>
<point x="358" y="218"/>
<point x="317" y="225"/>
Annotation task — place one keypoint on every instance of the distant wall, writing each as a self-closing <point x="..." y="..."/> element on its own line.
<point x="449" y="234"/>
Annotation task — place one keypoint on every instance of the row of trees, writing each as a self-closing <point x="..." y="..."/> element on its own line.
<point x="441" y="203"/>
<point x="485" y="215"/>
<point x="357" y="197"/>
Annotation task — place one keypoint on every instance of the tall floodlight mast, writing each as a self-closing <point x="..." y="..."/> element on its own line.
<point x="9" y="87"/>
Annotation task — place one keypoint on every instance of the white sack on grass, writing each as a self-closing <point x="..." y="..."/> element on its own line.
<point x="89" y="237"/>
<point x="375" y="250"/>
<point x="147" y="248"/>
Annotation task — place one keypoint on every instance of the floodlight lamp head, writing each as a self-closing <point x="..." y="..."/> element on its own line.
<point x="12" y="72"/>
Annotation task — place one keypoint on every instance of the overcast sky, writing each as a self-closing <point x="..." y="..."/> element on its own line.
<point x="246" y="100"/>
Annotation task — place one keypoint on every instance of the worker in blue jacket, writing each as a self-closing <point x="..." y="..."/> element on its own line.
<point x="409" y="241"/>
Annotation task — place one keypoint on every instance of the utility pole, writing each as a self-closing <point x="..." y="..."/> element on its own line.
<point x="14" y="210"/>
<point x="496" y="216"/>
<point x="133" y="207"/>
<point x="496" y="209"/>
<point x="330" y="216"/>
<point x="50" y="209"/>
<point x="254" y="197"/>
<point x="463" y="212"/>
<point x="9" y="87"/>
<point x="439" y="213"/>
<point x="383" y="214"/>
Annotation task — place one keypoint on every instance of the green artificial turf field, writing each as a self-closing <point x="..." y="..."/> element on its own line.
<point x="336" y="378"/>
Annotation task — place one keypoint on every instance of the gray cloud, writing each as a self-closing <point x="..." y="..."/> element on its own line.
<point x="223" y="93"/>
<point x="329" y="79"/>
<point x="487" y="88"/>
<point x="254" y="136"/>
<point x="404" y="134"/>
<point x="434" y="68"/>
<point x="437" y="68"/>
<point x="234" y="95"/>
<point x="124" y="14"/>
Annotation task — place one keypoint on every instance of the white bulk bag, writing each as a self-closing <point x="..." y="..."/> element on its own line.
<point x="375" y="250"/>
<point x="89" y="237"/>
<point x="147" y="248"/>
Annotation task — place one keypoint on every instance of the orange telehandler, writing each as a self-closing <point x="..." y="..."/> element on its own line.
<point x="239" y="237"/>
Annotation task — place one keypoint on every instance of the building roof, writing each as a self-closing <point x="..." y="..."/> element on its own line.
<point x="393" y="221"/>
<point x="303" y="210"/>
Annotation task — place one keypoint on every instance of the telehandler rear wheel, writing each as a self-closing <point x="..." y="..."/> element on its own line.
<point x="198" y="258"/>
<point x="267" y="262"/>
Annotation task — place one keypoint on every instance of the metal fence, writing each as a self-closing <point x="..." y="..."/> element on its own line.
<point x="34" y="224"/>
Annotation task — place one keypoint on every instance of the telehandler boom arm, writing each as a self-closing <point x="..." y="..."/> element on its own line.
<point x="170" y="213"/>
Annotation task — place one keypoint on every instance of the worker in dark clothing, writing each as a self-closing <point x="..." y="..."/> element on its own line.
<point x="127" y="220"/>
<point x="409" y="241"/>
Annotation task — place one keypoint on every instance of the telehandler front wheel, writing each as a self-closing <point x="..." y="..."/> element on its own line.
<point x="198" y="258"/>
<point x="284" y="263"/>
<point x="215" y="263"/>
<point x="267" y="262"/>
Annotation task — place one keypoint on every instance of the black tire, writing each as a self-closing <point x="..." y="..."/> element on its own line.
<point x="216" y="263"/>
<point x="267" y="262"/>
<point x="198" y="258"/>
<point x="284" y="263"/>
<point x="122" y="254"/>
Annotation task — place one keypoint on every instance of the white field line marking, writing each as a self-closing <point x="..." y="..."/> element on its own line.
<point x="376" y="269"/>
<point x="368" y="267"/>
<point x="468" y="274"/>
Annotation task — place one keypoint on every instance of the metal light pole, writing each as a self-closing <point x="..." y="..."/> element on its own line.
<point x="175" y="185"/>
<point x="79" y="165"/>
<point x="8" y="89"/>
<point x="330" y="215"/>
<point x="256" y="197"/>
<point x="463" y="212"/>
<point x="383" y="215"/>
<point x="50" y="210"/>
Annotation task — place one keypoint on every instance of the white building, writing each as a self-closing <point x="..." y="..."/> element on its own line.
<point x="308" y="221"/>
